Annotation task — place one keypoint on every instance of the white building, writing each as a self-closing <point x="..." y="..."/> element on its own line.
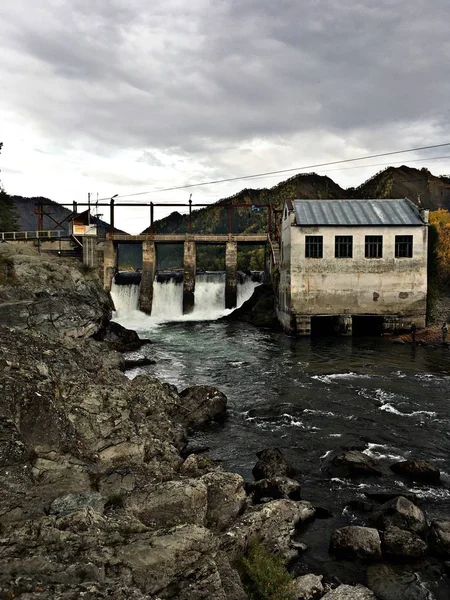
<point x="352" y="264"/>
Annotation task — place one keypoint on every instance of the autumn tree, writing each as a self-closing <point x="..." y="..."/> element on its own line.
<point x="440" y="244"/>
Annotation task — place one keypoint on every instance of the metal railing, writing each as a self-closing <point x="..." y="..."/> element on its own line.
<point x="32" y="235"/>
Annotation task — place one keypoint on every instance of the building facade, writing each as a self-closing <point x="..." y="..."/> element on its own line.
<point x="347" y="264"/>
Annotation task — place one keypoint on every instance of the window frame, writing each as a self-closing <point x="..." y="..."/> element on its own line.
<point x="406" y="244"/>
<point x="373" y="246"/>
<point x="313" y="242"/>
<point x="341" y="242"/>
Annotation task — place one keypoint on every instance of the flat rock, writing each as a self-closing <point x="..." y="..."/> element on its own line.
<point x="418" y="470"/>
<point x="351" y="464"/>
<point x="350" y="592"/>
<point x="271" y="524"/>
<point x="356" y="542"/>
<point x="390" y="582"/>
<point x="170" y="503"/>
<point x="69" y="503"/>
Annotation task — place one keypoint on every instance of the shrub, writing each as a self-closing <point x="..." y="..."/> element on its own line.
<point x="265" y="576"/>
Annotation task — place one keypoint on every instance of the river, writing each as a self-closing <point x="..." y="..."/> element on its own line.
<point x="309" y="397"/>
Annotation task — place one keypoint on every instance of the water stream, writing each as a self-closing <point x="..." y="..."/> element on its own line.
<point x="309" y="397"/>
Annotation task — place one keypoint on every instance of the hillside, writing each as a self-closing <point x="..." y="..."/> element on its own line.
<point x="25" y="209"/>
<point x="434" y="192"/>
<point x="215" y="218"/>
<point x="393" y="182"/>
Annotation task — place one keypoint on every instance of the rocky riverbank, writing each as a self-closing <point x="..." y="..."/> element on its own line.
<point x="103" y="498"/>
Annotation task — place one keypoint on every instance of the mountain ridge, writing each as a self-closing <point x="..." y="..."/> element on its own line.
<point x="419" y="185"/>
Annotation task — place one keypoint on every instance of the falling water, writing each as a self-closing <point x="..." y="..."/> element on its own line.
<point x="125" y="298"/>
<point x="168" y="300"/>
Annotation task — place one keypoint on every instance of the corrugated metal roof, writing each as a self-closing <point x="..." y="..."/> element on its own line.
<point x="356" y="212"/>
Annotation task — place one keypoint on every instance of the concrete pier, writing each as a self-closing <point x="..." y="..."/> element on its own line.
<point x="189" y="266"/>
<point x="231" y="275"/>
<point x="303" y="324"/>
<point x="90" y="251"/>
<point x="148" y="275"/>
<point x="345" y="324"/>
<point x="109" y="264"/>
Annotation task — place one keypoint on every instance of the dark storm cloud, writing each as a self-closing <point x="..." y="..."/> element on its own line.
<point x="196" y="76"/>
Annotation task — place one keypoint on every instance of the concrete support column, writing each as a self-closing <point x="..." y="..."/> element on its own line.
<point x="345" y="324"/>
<point x="90" y="251"/>
<point x="148" y="275"/>
<point x="189" y="266"/>
<point x="390" y="324"/>
<point x="109" y="264"/>
<point x="231" y="275"/>
<point x="303" y="324"/>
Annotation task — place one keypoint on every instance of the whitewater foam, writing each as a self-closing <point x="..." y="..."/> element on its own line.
<point x="332" y="378"/>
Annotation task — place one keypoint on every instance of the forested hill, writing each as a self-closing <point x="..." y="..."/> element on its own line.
<point x="401" y="182"/>
<point x="393" y="182"/>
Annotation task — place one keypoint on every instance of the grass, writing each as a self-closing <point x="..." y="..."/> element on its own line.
<point x="264" y="575"/>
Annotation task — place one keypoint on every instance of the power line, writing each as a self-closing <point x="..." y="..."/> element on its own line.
<point x="279" y="172"/>
<point x="387" y="164"/>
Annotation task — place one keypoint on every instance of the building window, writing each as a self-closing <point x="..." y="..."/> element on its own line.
<point x="403" y="246"/>
<point x="343" y="246"/>
<point x="314" y="246"/>
<point x="374" y="246"/>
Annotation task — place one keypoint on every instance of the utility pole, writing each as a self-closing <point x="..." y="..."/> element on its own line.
<point x="111" y="215"/>
<point x="89" y="208"/>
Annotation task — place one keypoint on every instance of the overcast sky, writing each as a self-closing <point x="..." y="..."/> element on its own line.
<point x="125" y="96"/>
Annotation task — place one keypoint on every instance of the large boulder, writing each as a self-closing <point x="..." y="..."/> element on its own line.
<point x="272" y="464"/>
<point x="271" y="524"/>
<point x="402" y="544"/>
<point x="350" y="464"/>
<point x="122" y="339"/>
<point x="440" y="537"/>
<point x="200" y="405"/>
<point x="400" y="513"/>
<point x="350" y="592"/>
<point x="259" y="310"/>
<point x="226" y="498"/>
<point x="356" y="542"/>
<point x="170" y="503"/>
<point x="197" y="465"/>
<point x="308" y="587"/>
<point x="274" y="489"/>
<point x="418" y="470"/>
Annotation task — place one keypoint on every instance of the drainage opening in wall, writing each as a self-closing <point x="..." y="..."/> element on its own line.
<point x="324" y="326"/>
<point x="367" y="325"/>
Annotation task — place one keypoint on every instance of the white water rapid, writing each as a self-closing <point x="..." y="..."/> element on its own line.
<point x="168" y="301"/>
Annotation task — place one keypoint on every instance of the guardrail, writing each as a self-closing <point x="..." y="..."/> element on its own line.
<point x="32" y="235"/>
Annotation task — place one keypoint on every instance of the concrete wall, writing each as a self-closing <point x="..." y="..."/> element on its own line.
<point x="352" y="286"/>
